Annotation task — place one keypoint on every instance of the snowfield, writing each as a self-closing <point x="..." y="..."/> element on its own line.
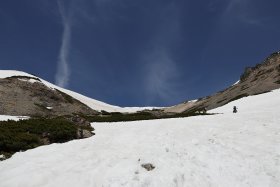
<point x="224" y="150"/>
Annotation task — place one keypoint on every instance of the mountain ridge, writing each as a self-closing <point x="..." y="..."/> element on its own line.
<point x="261" y="78"/>
<point x="17" y="94"/>
<point x="31" y="80"/>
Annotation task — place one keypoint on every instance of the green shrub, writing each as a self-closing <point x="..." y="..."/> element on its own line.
<point x="26" y="134"/>
<point x="277" y="82"/>
<point x="118" y="117"/>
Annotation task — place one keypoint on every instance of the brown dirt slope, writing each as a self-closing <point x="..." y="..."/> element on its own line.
<point x="28" y="96"/>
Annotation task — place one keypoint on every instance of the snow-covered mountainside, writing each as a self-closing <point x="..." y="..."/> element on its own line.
<point x="226" y="149"/>
<point x="92" y="103"/>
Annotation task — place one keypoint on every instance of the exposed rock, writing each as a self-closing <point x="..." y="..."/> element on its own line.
<point x="148" y="166"/>
<point x="80" y="121"/>
<point x="82" y="133"/>
<point x="45" y="141"/>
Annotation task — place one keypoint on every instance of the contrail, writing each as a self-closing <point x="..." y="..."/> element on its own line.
<point x="63" y="70"/>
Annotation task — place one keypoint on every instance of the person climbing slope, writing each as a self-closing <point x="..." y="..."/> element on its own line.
<point x="234" y="109"/>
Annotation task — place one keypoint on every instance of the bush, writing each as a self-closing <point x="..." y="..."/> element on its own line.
<point x="277" y="82"/>
<point x="117" y="117"/>
<point x="26" y="134"/>
<point x="13" y="142"/>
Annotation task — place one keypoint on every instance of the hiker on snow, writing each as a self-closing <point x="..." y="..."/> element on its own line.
<point x="234" y="109"/>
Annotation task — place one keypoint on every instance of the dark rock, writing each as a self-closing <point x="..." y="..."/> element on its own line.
<point x="45" y="141"/>
<point x="80" y="121"/>
<point x="148" y="166"/>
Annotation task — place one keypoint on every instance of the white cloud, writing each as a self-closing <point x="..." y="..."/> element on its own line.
<point x="162" y="75"/>
<point x="63" y="69"/>
<point x="243" y="11"/>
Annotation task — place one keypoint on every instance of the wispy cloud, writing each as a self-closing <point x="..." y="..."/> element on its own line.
<point x="243" y="11"/>
<point x="63" y="68"/>
<point x="161" y="76"/>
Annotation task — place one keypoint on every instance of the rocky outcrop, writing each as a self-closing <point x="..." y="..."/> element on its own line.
<point x="28" y="96"/>
<point x="262" y="78"/>
<point x="148" y="166"/>
<point x="85" y="130"/>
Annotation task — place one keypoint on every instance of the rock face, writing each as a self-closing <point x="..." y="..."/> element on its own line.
<point x="28" y="96"/>
<point x="262" y="78"/>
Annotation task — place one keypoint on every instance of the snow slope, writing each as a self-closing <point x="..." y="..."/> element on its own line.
<point x="92" y="103"/>
<point x="10" y="73"/>
<point x="227" y="149"/>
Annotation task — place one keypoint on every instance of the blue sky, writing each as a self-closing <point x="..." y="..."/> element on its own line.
<point x="138" y="52"/>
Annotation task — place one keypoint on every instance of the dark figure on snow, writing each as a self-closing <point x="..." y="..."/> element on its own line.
<point x="234" y="109"/>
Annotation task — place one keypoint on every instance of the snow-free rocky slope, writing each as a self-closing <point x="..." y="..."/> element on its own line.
<point x="262" y="78"/>
<point x="25" y="94"/>
<point x="232" y="150"/>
